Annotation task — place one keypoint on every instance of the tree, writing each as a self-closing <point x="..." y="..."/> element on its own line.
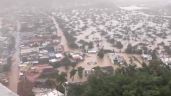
<point x="101" y="54"/>
<point x="119" y="45"/>
<point x="90" y="45"/>
<point x="150" y="80"/>
<point x="80" y="72"/>
<point x="98" y="72"/>
<point x="66" y="62"/>
<point x="72" y="73"/>
<point x="154" y="56"/>
<point x="129" y="49"/>
<point x="61" y="78"/>
<point x="76" y="89"/>
<point x="56" y="80"/>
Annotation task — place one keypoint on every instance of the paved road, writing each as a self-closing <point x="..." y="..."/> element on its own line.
<point x="14" y="73"/>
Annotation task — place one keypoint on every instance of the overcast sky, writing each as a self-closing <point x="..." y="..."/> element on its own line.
<point x="125" y="1"/>
<point x="8" y="3"/>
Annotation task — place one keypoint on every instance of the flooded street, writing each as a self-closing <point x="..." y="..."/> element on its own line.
<point x="85" y="47"/>
<point x="60" y="33"/>
<point x="14" y="73"/>
<point x="105" y="62"/>
<point x="89" y="58"/>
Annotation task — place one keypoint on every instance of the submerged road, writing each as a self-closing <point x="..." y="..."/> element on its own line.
<point x="60" y="33"/>
<point x="14" y="72"/>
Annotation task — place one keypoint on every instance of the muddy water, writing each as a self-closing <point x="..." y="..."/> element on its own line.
<point x="14" y="73"/>
<point x="60" y="33"/>
<point x="90" y="58"/>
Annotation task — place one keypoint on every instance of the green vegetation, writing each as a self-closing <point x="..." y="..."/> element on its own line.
<point x="56" y="80"/>
<point x="73" y="73"/>
<point x="119" y="45"/>
<point x="80" y="72"/>
<point x="129" y="49"/>
<point x="69" y="35"/>
<point x="90" y="45"/>
<point x="150" y="80"/>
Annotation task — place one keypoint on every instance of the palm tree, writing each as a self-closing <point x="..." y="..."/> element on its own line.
<point x="66" y="62"/>
<point x="101" y="54"/>
<point x="72" y="73"/>
<point x="57" y="79"/>
<point x="61" y="78"/>
<point x="80" y="72"/>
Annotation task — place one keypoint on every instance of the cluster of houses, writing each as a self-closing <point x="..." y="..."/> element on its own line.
<point x="41" y="49"/>
<point x="88" y="30"/>
<point x="43" y="53"/>
<point x="40" y="44"/>
<point x="105" y="27"/>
